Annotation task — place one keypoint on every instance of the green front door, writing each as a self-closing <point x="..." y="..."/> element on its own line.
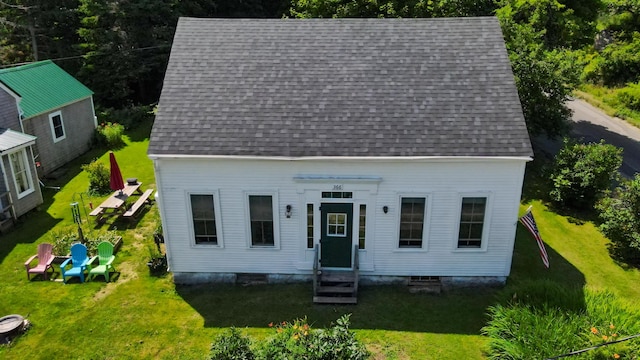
<point x="336" y="229"/>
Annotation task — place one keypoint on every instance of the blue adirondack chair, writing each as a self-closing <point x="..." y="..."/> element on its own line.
<point x="105" y="259"/>
<point x="79" y="261"/>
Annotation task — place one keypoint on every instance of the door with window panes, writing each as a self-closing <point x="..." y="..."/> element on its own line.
<point x="336" y="234"/>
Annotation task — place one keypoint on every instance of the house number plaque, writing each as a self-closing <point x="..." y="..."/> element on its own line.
<point x="337" y="187"/>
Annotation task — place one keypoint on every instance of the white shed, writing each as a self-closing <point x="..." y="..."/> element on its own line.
<point x="396" y="148"/>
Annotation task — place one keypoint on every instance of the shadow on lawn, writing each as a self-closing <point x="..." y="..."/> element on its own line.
<point x="379" y="307"/>
<point x="528" y="268"/>
<point x="462" y="311"/>
<point x="29" y="227"/>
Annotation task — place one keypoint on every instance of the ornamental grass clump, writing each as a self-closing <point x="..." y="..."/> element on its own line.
<point x="538" y="329"/>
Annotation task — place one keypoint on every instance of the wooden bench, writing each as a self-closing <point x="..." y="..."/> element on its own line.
<point x="97" y="212"/>
<point x="144" y="199"/>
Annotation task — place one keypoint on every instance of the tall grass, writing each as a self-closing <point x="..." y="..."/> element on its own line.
<point x="543" y="322"/>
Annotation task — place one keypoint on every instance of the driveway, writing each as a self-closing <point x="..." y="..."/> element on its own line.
<point x="591" y="124"/>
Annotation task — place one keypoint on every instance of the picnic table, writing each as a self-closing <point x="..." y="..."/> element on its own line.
<point x="113" y="205"/>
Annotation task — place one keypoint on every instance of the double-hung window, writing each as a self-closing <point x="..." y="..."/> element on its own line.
<point x="412" y="214"/>
<point x="21" y="174"/>
<point x="261" y="218"/>
<point x="204" y="219"/>
<point x="472" y="225"/>
<point x="57" y="126"/>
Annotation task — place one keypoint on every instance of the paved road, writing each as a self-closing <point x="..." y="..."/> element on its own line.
<point x="591" y="125"/>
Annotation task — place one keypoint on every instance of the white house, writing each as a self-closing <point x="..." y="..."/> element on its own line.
<point x="400" y="141"/>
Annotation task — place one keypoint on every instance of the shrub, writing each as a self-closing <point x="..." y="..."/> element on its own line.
<point x="130" y="117"/>
<point x="620" y="215"/>
<point x="522" y="330"/>
<point x="582" y="172"/>
<point x="296" y="340"/>
<point x="231" y="346"/>
<point x="110" y="135"/>
<point x="99" y="177"/>
<point x="62" y="239"/>
<point x="630" y="96"/>
<point x="157" y="262"/>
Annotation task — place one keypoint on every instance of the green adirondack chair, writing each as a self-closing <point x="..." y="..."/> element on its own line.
<point x="105" y="259"/>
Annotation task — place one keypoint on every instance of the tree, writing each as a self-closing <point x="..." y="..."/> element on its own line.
<point x="36" y="29"/>
<point x="390" y="8"/>
<point x="544" y="78"/>
<point x="583" y="172"/>
<point x="562" y="23"/>
<point x="126" y="48"/>
<point x="620" y="215"/>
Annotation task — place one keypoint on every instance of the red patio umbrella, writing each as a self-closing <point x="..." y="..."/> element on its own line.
<point x="115" y="181"/>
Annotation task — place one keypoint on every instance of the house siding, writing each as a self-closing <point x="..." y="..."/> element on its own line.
<point x="443" y="182"/>
<point x="30" y="201"/>
<point x="9" y="116"/>
<point x="79" y="127"/>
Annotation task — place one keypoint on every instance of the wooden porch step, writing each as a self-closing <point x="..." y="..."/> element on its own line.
<point x="335" y="289"/>
<point x="337" y="277"/>
<point x="335" y="300"/>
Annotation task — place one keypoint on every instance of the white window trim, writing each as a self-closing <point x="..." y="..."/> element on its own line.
<point x="426" y="224"/>
<point x="275" y="204"/>
<point x="218" y="217"/>
<point x="27" y="166"/>
<point x="485" y="228"/>
<point x="53" y="131"/>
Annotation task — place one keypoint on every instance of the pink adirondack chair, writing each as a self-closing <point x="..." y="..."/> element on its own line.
<point x="45" y="257"/>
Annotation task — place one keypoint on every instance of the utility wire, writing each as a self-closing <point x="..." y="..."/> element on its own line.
<point x="93" y="54"/>
<point x="593" y="347"/>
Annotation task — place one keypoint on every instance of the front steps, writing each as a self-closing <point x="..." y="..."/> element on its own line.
<point x="336" y="287"/>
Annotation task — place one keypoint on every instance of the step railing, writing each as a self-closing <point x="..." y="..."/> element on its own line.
<point x="356" y="269"/>
<point x="315" y="269"/>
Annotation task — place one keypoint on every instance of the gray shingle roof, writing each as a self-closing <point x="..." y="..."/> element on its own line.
<point x="339" y="87"/>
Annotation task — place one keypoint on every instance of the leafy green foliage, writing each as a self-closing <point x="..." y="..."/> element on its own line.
<point x="130" y="117"/>
<point x="110" y="135"/>
<point x="582" y="172"/>
<point x="620" y="215"/>
<point x="63" y="238"/>
<point x="544" y="79"/>
<point x="523" y="329"/>
<point x="293" y="340"/>
<point x="231" y="345"/>
<point x="390" y="8"/>
<point x="629" y="96"/>
<point x="297" y="340"/>
<point x="561" y="23"/>
<point x="99" y="177"/>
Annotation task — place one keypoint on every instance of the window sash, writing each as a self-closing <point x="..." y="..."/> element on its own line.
<point x="58" y="130"/>
<point x="204" y="219"/>
<point x="412" y="214"/>
<point x="309" y="226"/>
<point x="472" y="214"/>
<point x="21" y="174"/>
<point x="261" y="219"/>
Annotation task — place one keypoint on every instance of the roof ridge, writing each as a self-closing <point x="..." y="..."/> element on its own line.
<point x="26" y="66"/>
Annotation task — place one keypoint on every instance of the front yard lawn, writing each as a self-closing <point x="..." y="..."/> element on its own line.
<point x="144" y="317"/>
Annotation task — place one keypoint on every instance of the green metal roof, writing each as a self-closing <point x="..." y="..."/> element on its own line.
<point x="43" y="86"/>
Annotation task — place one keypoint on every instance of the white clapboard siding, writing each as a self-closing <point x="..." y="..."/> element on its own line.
<point x="443" y="182"/>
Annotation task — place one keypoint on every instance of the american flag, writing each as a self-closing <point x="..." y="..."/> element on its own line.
<point x="530" y="223"/>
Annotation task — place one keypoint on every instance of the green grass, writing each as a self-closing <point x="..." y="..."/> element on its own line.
<point x="605" y="99"/>
<point x="143" y="317"/>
